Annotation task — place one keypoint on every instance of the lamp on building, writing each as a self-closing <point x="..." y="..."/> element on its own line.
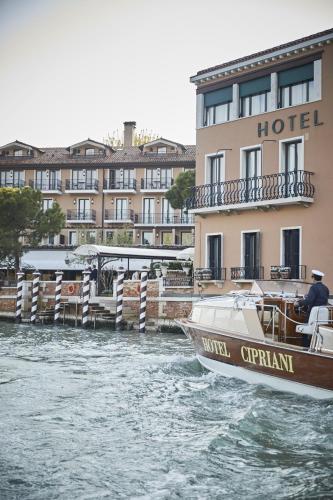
<point x="138" y="235"/>
<point x="74" y="202"/>
<point x="92" y="200"/>
<point x="112" y="201"/>
<point x="157" y="235"/>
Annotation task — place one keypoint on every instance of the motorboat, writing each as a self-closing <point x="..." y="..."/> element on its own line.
<point x="257" y="336"/>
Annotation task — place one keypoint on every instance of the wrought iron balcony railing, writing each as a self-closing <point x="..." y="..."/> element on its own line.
<point x="121" y="185"/>
<point x="119" y="215"/>
<point x="288" y="272"/>
<point x="87" y="156"/>
<point x="255" y="189"/>
<point x="53" y="185"/>
<point x="82" y="185"/>
<point x="161" y="219"/>
<point x="156" y="184"/>
<point x="247" y="273"/>
<point x="12" y="184"/>
<point x="210" y="273"/>
<point x="81" y="215"/>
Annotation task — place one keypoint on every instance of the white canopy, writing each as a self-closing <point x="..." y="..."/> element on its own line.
<point x="131" y="252"/>
<point x="50" y="260"/>
<point x="186" y="254"/>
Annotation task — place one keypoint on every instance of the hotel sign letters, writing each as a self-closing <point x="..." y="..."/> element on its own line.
<point x="260" y="357"/>
<point x="304" y="120"/>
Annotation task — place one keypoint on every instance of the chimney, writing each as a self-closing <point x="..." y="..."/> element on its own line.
<point x="129" y="129"/>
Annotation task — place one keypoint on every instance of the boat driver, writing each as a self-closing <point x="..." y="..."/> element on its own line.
<point x="317" y="296"/>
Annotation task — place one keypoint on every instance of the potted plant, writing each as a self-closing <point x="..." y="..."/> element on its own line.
<point x="285" y="272"/>
<point x="275" y="272"/>
<point x="186" y="266"/>
<point x="156" y="268"/>
<point x="164" y="269"/>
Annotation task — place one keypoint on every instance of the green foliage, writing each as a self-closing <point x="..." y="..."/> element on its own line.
<point x="121" y="237"/>
<point x="22" y="217"/>
<point x="174" y="265"/>
<point x="116" y="140"/>
<point x="181" y="189"/>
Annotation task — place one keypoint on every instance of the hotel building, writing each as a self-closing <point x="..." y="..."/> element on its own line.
<point x="107" y="195"/>
<point x="263" y="198"/>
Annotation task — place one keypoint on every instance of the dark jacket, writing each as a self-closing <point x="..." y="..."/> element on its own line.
<point x="317" y="296"/>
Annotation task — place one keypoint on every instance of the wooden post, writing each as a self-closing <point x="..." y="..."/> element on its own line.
<point x="19" y="290"/>
<point x="59" y="275"/>
<point x="85" y="299"/>
<point x="120" y="291"/>
<point x="35" y="294"/>
<point x="143" y="301"/>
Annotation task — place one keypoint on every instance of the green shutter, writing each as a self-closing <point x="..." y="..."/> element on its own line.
<point x="296" y="75"/>
<point x="220" y="96"/>
<point x="257" y="86"/>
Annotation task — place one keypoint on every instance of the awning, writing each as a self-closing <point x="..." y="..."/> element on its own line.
<point x="128" y="252"/>
<point x="186" y="254"/>
<point x="51" y="260"/>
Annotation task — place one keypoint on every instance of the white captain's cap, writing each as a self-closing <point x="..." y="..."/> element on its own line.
<point x="317" y="273"/>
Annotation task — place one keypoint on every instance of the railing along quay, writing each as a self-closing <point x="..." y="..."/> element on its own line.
<point x="254" y="189"/>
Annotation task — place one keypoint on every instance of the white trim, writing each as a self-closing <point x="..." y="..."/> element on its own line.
<point x="242" y="244"/>
<point x="254" y="377"/>
<point x="282" y="152"/>
<point x="242" y="159"/>
<point x="206" y="247"/>
<point x="252" y="205"/>
<point x="268" y="55"/>
<point x="208" y="157"/>
<point x="300" y="228"/>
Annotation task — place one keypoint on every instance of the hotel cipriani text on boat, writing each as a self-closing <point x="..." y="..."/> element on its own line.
<point x="264" y="185"/>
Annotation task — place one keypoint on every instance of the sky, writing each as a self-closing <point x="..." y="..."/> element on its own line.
<point x="72" y="69"/>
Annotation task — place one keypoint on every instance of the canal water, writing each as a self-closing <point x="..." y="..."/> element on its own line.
<point x="105" y="415"/>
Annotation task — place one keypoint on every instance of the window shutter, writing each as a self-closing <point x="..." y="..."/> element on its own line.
<point x="257" y="86"/>
<point x="220" y="96"/>
<point x="296" y="75"/>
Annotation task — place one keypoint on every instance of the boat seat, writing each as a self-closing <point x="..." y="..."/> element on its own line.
<point x="326" y="338"/>
<point x="318" y="314"/>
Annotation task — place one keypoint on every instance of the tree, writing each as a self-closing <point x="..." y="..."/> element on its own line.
<point x="181" y="189"/>
<point x="117" y="141"/>
<point x="22" y="218"/>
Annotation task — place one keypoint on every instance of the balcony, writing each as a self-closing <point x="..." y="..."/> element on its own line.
<point x="81" y="216"/>
<point x="81" y="186"/>
<point x="247" y="273"/>
<point x="12" y="184"/>
<point x="156" y="185"/>
<point x="252" y="193"/>
<point x="210" y="274"/>
<point x="119" y="186"/>
<point x="47" y="186"/>
<point x="121" y="216"/>
<point x="85" y="156"/>
<point x="148" y="219"/>
<point x="288" y="272"/>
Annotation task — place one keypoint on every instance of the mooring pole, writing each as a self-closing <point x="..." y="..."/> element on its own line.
<point x="19" y="291"/>
<point x="120" y="291"/>
<point x="35" y="293"/>
<point x="143" y="301"/>
<point x="57" y="299"/>
<point x="85" y="299"/>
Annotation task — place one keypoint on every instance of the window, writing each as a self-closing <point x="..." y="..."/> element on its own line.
<point x="296" y="85"/>
<point x="122" y="209"/>
<point x="90" y="151"/>
<point x="251" y="173"/>
<point x="167" y="212"/>
<point x="167" y="238"/>
<point x="72" y="238"/>
<point x="186" y="239"/>
<point x="162" y="150"/>
<point x="91" y="237"/>
<point x="254" y="95"/>
<point x="217" y="106"/>
<point x="83" y="179"/>
<point x="18" y="152"/>
<point x="148" y="210"/>
<point x="147" y="237"/>
<point x="166" y="178"/>
<point x="109" y="236"/>
<point x="83" y="209"/>
<point x="215" y="167"/>
<point x="47" y="203"/>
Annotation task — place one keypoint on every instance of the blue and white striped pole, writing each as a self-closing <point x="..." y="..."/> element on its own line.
<point x="57" y="296"/>
<point x="19" y="292"/>
<point x="85" y="300"/>
<point x="143" y="301"/>
<point x="120" y="291"/>
<point x="35" y="293"/>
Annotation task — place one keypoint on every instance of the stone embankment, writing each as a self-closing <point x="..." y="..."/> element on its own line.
<point x="164" y="305"/>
